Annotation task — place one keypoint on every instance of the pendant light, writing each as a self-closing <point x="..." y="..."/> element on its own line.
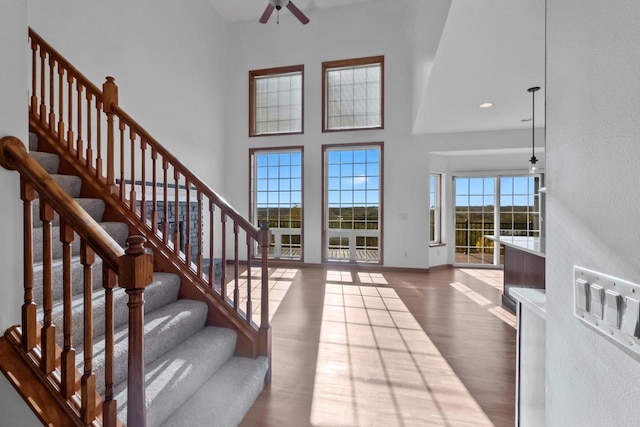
<point x="533" y="160"/>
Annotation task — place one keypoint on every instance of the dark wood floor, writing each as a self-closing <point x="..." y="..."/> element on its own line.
<point x="389" y="349"/>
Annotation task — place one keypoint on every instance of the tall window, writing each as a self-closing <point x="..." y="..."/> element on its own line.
<point x="434" y="209"/>
<point x="353" y="94"/>
<point x="276" y="197"/>
<point x="353" y="203"/>
<point x="276" y="100"/>
<point x="493" y="206"/>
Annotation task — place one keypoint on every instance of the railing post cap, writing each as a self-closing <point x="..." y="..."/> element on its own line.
<point x="135" y="245"/>
<point x="110" y="79"/>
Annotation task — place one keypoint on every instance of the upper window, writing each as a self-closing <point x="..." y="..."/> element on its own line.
<point x="275" y="101"/>
<point x="353" y="94"/>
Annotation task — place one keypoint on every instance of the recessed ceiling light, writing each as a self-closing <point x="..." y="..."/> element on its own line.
<point x="486" y="105"/>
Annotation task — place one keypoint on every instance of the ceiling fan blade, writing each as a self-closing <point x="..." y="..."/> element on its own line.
<point x="297" y="13"/>
<point x="267" y="13"/>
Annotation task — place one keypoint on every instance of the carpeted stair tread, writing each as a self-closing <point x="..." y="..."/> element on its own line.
<point x="48" y="161"/>
<point x="226" y="397"/>
<point x="174" y="377"/>
<point x="77" y="278"/>
<point x="164" y="329"/>
<point x="118" y="230"/>
<point x="70" y="183"/>
<point x="94" y="207"/>
<point x="162" y="291"/>
<point x="33" y="141"/>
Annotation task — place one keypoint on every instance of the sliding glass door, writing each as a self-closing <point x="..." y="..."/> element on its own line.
<point x="490" y="206"/>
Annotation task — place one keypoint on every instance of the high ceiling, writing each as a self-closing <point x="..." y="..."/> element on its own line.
<point x="489" y="51"/>
<point x="245" y="10"/>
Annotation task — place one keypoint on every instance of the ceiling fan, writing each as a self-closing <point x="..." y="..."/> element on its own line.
<point x="277" y="5"/>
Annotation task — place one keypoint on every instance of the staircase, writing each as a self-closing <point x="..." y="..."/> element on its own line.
<point x="192" y="353"/>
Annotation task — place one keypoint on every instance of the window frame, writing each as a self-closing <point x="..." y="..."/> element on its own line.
<point x="274" y="72"/>
<point x="324" y="241"/>
<point x="252" y="194"/>
<point x="436" y="238"/>
<point x="346" y="63"/>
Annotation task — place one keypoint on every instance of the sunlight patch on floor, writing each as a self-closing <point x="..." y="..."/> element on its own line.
<point x="491" y="277"/>
<point x="280" y="280"/>
<point x="505" y="315"/>
<point x="377" y="367"/>
<point x="470" y="293"/>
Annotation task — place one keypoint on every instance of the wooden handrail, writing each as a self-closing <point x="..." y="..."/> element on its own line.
<point x="35" y="37"/>
<point x="14" y="156"/>
<point x="184" y="171"/>
<point x="139" y="178"/>
<point x="134" y="268"/>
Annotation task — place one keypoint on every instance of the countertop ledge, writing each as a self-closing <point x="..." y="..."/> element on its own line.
<point x="534" y="299"/>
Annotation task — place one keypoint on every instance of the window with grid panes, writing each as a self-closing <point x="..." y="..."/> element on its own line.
<point x="275" y="101"/>
<point x="353" y="94"/>
<point x="276" y="197"/>
<point x="434" y="209"/>
<point x="353" y="202"/>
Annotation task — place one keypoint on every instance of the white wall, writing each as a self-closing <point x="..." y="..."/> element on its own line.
<point x="593" y="201"/>
<point x="168" y="59"/>
<point x="339" y="33"/>
<point x="13" y="121"/>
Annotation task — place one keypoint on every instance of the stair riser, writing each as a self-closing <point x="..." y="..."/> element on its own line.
<point x="77" y="279"/>
<point x="119" y="232"/>
<point x="94" y="207"/>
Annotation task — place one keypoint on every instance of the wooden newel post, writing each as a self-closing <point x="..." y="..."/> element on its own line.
<point x="135" y="271"/>
<point x="264" y="333"/>
<point x="110" y="99"/>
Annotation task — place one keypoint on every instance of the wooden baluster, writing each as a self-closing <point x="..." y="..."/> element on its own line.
<point x="176" y="193"/>
<point x="132" y="195"/>
<point x="79" y="142"/>
<point x="60" y="104"/>
<point x="249" y="303"/>
<point x="68" y="359"/>
<point x="48" y="337"/>
<point x="223" y="262"/>
<point x="236" y="268"/>
<point x="110" y="99"/>
<point x="143" y="181"/>
<point x="89" y="153"/>
<point x="88" y="393"/>
<point x="29" y="320"/>
<point x="264" y="333"/>
<point x="52" y="116"/>
<point x="34" y="77"/>
<point x="165" y="202"/>
<point x="212" y="276"/>
<point x="154" y="197"/>
<point x="122" y="181"/>
<point x="200" y="236"/>
<point x="187" y="230"/>
<point x="99" y="170"/>
<point x="109" y="406"/>
<point x="70" y="81"/>
<point x="135" y="271"/>
<point x="43" y="99"/>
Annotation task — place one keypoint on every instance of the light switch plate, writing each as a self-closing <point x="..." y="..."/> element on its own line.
<point x="609" y="305"/>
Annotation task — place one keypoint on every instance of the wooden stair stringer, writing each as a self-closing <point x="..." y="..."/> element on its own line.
<point x="165" y="260"/>
<point x="39" y="391"/>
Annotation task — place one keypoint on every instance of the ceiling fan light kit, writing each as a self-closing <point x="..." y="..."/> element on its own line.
<point x="278" y="5"/>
